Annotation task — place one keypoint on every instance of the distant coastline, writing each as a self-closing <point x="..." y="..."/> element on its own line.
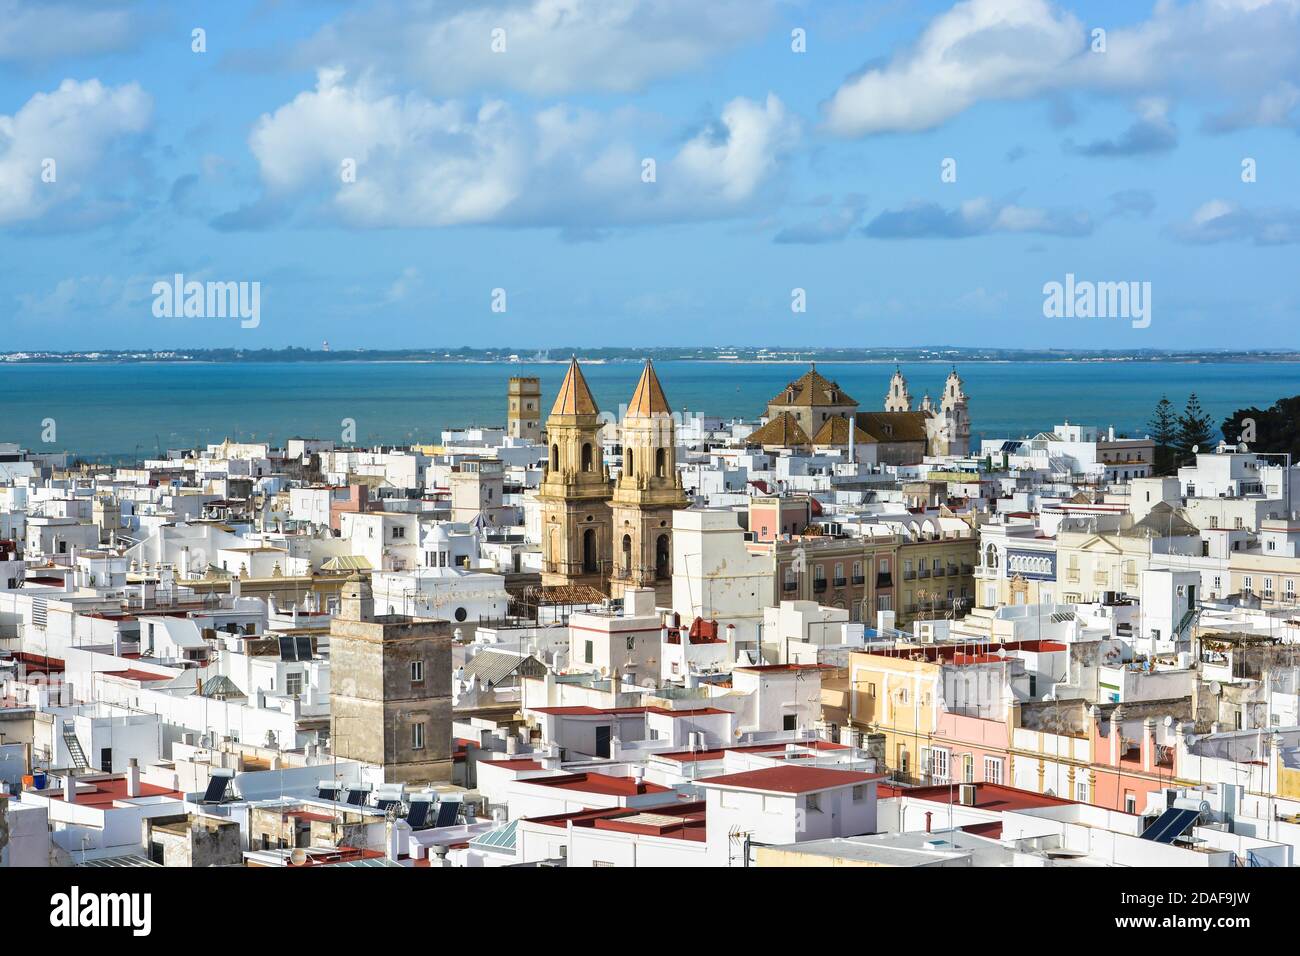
<point x="732" y="355"/>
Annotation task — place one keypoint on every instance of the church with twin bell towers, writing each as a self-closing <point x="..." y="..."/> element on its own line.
<point x="610" y="535"/>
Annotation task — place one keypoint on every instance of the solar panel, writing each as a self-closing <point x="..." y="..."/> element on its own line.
<point x="303" y="646"/>
<point x="383" y="803"/>
<point x="447" y="811"/>
<point x="417" y="814"/>
<point x="357" y="797"/>
<point x="327" y="793"/>
<point x="287" y="650"/>
<point x="216" y="789"/>
<point x="1172" y="824"/>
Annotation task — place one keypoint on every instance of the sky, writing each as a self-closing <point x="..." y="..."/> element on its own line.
<point x="543" y="173"/>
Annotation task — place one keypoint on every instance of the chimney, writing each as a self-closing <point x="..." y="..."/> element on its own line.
<point x="928" y="816"/>
<point x="69" y="788"/>
<point x="638" y="774"/>
<point x="132" y="778"/>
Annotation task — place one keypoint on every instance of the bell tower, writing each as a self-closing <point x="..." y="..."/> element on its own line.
<point x="575" y="490"/>
<point x="647" y="492"/>
<point x="899" y="398"/>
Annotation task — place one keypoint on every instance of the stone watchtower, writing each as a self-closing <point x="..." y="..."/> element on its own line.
<point x="575" y="490"/>
<point x="524" y="411"/>
<point x="390" y="689"/>
<point x="647" y="492"/>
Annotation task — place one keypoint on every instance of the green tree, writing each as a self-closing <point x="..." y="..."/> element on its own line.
<point x="1275" y="429"/>
<point x="1193" y="426"/>
<point x="1163" y="428"/>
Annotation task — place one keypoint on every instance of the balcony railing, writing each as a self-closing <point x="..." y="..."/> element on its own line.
<point x="909" y="575"/>
<point x="858" y="579"/>
<point x="884" y="580"/>
<point x="938" y="572"/>
<point x="840" y="582"/>
<point x="819" y="585"/>
<point x="789" y="586"/>
<point x="924" y="573"/>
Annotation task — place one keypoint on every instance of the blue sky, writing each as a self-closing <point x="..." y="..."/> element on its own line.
<point x="774" y="170"/>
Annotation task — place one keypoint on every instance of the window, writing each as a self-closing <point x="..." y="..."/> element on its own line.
<point x="417" y="671"/>
<point x="788" y="722"/>
<point x="859" y="793"/>
<point x="1081" y="791"/>
<point x="1289" y="589"/>
<point x="1248" y="585"/>
<point x="417" y="736"/>
<point x="1130" y="802"/>
<point x="939" y="763"/>
<point x="992" y="769"/>
<point x="601" y="863"/>
<point x="967" y="768"/>
<point x="293" y="684"/>
<point x="813" y="802"/>
<point x="399" y="532"/>
<point x="588" y="652"/>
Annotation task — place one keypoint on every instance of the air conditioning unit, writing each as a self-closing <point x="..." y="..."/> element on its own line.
<point x="967" y="795"/>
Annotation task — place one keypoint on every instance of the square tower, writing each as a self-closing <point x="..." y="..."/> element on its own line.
<point x="390" y="689"/>
<point x="524" y="409"/>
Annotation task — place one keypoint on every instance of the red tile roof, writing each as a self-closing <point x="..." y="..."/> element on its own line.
<point x="688" y="756"/>
<point x="792" y="779"/>
<point x="988" y="796"/>
<point x="599" y="783"/>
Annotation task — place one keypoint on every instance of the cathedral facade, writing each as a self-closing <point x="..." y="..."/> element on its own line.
<point x="813" y="412"/>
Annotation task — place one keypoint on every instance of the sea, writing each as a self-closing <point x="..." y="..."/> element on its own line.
<point x="120" y="412"/>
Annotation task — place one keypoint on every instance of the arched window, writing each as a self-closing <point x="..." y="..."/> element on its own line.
<point x="555" y="458"/>
<point x="589" y="565"/>
<point x="663" y="562"/>
<point x="586" y="457"/>
<point x="627" y="553"/>
<point x="661" y="463"/>
<point x="628" y="460"/>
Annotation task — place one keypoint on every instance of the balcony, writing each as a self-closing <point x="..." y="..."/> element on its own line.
<point x="790" y="586"/>
<point x="884" y="580"/>
<point x="924" y="573"/>
<point x="968" y="569"/>
<point x="953" y="570"/>
<point x="909" y="575"/>
<point x="840" y="582"/>
<point x="819" y="585"/>
<point x="938" y="572"/>
<point x="858" y="580"/>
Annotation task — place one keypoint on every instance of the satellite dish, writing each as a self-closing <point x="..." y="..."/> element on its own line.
<point x="1195" y="449"/>
<point x="1190" y="740"/>
<point x="298" y="857"/>
<point x="1215" y="689"/>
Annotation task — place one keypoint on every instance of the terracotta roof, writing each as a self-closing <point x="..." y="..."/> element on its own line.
<point x="893" y="426"/>
<point x="812" y="389"/>
<point x="648" y="399"/>
<point x="792" y="779"/>
<point x="783" y="430"/>
<point x="835" y="431"/>
<point x="575" y="397"/>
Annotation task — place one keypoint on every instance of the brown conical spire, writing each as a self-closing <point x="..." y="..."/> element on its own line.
<point x="648" y="399"/>
<point x="575" y="397"/>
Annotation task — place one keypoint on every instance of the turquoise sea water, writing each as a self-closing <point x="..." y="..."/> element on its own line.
<point x="114" y="411"/>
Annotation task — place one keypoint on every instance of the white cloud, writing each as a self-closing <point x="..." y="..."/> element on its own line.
<point x="75" y="125"/>
<point x="1220" y="220"/>
<point x="983" y="50"/>
<point x="422" y="162"/>
<point x="551" y="46"/>
<point x="46" y="30"/>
